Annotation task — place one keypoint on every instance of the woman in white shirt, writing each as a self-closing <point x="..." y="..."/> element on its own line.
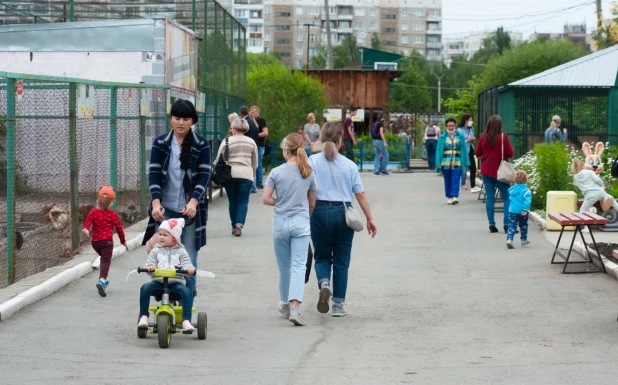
<point x="332" y="238"/>
<point x="242" y="156"/>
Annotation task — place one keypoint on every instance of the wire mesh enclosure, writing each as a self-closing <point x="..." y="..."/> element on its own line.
<point x="61" y="141"/>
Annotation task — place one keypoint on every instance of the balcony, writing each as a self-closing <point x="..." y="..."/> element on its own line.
<point x="434" y="45"/>
<point x="343" y="30"/>
<point x="435" y="19"/>
<point x="435" y="31"/>
<point x="345" y="16"/>
<point x="437" y="58"/>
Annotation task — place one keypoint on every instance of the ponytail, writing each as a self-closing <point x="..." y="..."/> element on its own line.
<point x="330" y="150"/>
<point x="555" y="120"/>
<point x="330" y="136"/>
<point x="303" y="162"/>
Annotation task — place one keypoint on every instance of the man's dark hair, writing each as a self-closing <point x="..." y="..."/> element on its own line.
<point x="244" y="110"/>
<point x="450" y="120"/>
<point x="353" y="109"/>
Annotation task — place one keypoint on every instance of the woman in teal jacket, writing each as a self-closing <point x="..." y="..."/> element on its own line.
<point x="451" y="160"/>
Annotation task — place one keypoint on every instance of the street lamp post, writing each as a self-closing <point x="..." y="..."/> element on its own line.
<point x="439" y="87"/>
<point x="308" y="26"/>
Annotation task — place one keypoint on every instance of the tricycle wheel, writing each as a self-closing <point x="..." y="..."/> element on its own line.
<point x="202" y="325"/>
<point x="141" y="333"/>
<point x="165" y="330"/>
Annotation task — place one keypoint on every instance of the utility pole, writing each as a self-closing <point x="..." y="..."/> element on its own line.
<point x="308" y="26"/>
<point x="329" y="45"/>
<point x="439" y="88"/>
<point x="599" y="15"/>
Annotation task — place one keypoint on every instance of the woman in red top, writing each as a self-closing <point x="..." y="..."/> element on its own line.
<point x="489" y="150"/>
<point x="103" y="220"/>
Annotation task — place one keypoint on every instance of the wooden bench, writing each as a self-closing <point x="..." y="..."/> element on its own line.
<point x="577" y="220"/>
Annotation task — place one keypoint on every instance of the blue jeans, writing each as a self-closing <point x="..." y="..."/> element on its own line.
<point x="451" y="182"/>
<point x="156" y="288"/>
<point x="291" y="242"/>
<point x="332" y="243"/>
<point x="522" y="221"/>
<point x="431" y="145"/>
<point x="188" y="241"/>
<point x="238" y="191"/>
<point x="491" y="184"/>
<point x="380" y="165"/>
<point x="349" y="149"/>
<point x="259" y="173"/>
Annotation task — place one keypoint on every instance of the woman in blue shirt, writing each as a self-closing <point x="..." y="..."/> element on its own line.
<point x="332" y="238"/>
<point x="467" y="131"/>
<point x="178" y="176"/>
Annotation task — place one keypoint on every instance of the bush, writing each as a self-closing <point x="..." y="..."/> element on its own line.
<point x="553" y="171"/>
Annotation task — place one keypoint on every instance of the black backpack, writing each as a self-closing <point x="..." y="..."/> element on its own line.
<point x="223" y="172"/>
<point x="375" y="132"/>
<point x="614" y="169"/>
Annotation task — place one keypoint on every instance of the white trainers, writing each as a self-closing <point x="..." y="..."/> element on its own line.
<point x="143" y="322"/>
<point x="187" y="328"/>
<point x="475" y="190"/>
<point x="455" y="201"/>
<point x="449" y="201"/>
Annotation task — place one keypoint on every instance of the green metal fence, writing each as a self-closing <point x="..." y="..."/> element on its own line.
<point x="590" y="114"/>
<point x="62" y="139"/>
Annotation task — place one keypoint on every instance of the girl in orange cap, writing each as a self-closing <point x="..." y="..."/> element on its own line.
<point x="103" y="219"/>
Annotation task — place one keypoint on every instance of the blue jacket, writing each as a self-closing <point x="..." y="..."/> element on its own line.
<point x="521" y="198"/>
<point x="466" y="132"/>
<point x="200" y="172"/>
<point x="465" y="160"/>
<point x="554" y="134"/>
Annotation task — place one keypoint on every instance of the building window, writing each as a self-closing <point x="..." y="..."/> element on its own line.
<point x="283" y="14"/>
<point x="404" y="39"/>
<point x="267" y="36"/>
<point x="418" y="27"/>
<point x="404" y="27"/>
<point x="299" y="51"/>
<point x="255" y="43"/>
<point x="285" y="54"/>
<point x="373" y="12"/>
<point x="359" y="11"/>
<point x="434" y="13"/>
<point x="266" y="23"/>
<point x="389" y="17"/>
<point x="389" y="30"/>
<point x="419" y="13"/>
<point x="240" y="13"/>
<point x="299" y="10"/>
<point x="419" y="39"/>
<point x="372" y="25"/>
<point x="433" y="39"/>
<point x="255" y="28"/>
<point x="283" y="41"/>
<point x="255" y="14"/>
<point x="433" y="52"/>
<point x="358" y="25"/>
<point x="422" y="52"/>
<point x="345" y="24"/>
<point x="299" y="64"/>
<point x="313" y="38"/>
<point x="389" y="42"/>
<point x="282" y="27"/>
<point x="433" y="26"/>
<point x="314" y="11"/>
<point x="299" y="37"/>
<point x="406" y="52"/>
<point x="404" y="12"/>
<point x="267" y="9"/>
<point x="267" y="50"/>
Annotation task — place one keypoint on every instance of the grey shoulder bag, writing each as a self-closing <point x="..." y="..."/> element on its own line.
<point x="353" y="218"/>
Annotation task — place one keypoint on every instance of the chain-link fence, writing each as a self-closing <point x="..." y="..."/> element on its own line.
<point x="61" y="140"/>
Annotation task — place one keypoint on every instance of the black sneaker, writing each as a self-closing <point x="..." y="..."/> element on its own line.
<point x="493" y="229"/>
<point x="260" y="187"/>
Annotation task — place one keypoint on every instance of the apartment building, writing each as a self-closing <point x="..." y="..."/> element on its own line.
<point x="292" y="27"/>
<point x="469" y="45"/>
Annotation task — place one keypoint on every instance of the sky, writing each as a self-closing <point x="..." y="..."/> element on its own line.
<point x="464" y="17"/>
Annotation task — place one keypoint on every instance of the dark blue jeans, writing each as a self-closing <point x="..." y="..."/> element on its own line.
<point x="156" y="288"/>
<point x="451" y="182"/>
<point x="431" y="145"/>
<point x="238" y="191"/>
<point x="522" y="221"/>
<point x="491" y="184"/>
<point x="332" y="242"/>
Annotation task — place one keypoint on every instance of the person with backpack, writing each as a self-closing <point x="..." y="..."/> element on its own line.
<point x="554" y="133"/>
<point x="432" y="132"/>
<point x="380" y="145"/>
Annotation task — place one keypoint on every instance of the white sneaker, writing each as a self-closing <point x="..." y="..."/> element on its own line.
<point x="187" y="328"/>
<point x="475" y="190"/>
<point x="449" y="201"/>
<point x="455" y="201"/>
<point x="143" y="322"/>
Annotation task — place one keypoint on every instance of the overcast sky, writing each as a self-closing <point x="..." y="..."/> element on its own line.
<point x="463" y="17"/>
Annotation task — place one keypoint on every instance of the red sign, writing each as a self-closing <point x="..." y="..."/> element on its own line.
<point x="130" y="92"/>
<point x="20" y="87"/>
<point x="159" y="95"/>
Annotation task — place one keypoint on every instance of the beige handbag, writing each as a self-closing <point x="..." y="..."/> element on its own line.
<point x="353" y="218"/>
<point x="316" y="146"/>
<point x="506" y="171"/>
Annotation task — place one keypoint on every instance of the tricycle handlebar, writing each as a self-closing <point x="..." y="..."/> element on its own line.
<point x="178" y="270"/>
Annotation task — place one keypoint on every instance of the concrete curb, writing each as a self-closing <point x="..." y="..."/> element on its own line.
<point x="610" y="266"/>
<point x="536" y="218"/>
<point x="55" y="283"/>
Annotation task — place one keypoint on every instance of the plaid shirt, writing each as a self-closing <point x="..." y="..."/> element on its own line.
<point x="200" y="171"/>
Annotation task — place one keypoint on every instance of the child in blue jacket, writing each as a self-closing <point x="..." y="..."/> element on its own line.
<point x="521" y="199"/>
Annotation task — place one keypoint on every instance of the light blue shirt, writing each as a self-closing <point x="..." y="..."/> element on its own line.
<point x="346" y="173"/>
<point x="173" y="192"/>
<point x="467" y="132"/>
<point x="291" y="190"/>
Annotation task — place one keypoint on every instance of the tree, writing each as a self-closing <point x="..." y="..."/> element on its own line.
<point x="465" y="100"/>
<point x="529" y="59"/>
<point x="260" y="59"/>
<point x="494" y="44"/>
<point x="319" y="61"/>
<point x="607" y="34"/>
<point x="375" y="42"/>
<point x="345" y="52"/>
<point x="285" y="97"/>
<point x="410" y="91"/>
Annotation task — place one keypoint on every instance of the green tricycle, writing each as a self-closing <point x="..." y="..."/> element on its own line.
<point x="168" y="315"/>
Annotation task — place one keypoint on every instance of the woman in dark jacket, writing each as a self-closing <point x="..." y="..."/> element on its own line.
<point x="178" y="177"/>
<point x="489" y="150"/>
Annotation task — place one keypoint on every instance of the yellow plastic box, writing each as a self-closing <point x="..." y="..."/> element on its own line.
<point x="557" y="202"/>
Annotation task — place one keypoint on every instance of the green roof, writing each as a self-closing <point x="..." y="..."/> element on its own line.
<point x="369" y="56"/>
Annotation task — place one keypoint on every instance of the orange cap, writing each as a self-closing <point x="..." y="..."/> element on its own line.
<point x="107" y="192"/>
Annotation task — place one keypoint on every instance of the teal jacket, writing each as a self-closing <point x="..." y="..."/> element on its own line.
<point x="465" y="159"/>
